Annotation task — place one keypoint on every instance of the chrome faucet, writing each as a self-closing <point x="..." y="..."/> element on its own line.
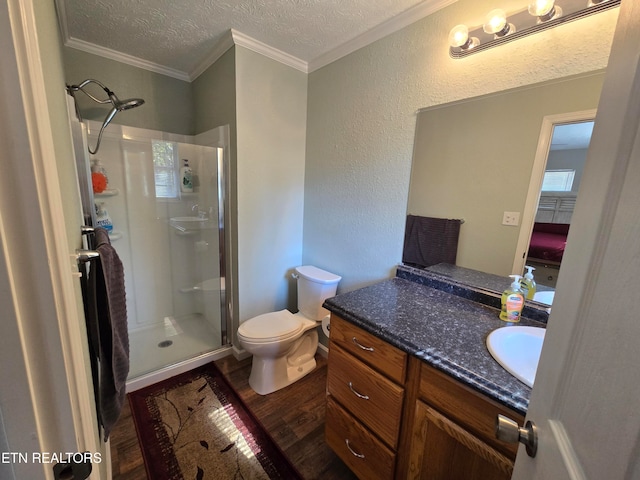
<point x="201" y="213"/>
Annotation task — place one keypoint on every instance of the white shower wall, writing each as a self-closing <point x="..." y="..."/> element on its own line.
<point x="169" y="273"/>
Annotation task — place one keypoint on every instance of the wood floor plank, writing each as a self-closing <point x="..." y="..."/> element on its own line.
<point x="293" y="416"/>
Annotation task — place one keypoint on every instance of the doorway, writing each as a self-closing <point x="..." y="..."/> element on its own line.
<point x="552" y="194"/>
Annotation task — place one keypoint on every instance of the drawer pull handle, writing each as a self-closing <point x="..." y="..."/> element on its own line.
<point x="359" y="395"/>
<point x="355" y="454"/>
<point x="368" y="349"/>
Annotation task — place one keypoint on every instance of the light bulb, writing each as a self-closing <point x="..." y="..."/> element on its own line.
<point x="495" y="21"/>
<point x="458" y="36"/>
<point x="544" y="9"/>
<point x="539" y="8"/>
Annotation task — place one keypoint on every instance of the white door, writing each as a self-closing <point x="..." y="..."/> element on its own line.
<point x="46" y="396"/>
<point x="587" y="392"/>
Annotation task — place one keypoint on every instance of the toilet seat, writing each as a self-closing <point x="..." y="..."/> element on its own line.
<point x="270" y="327"/>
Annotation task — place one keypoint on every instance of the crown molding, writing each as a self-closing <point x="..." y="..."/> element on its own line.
<point x="219" y="49"/>
<point x="94" y="49"/>
<point x="246" y="41"/>
<point x="124" y="58"/>
<point x="234" y="37"/>
<point x="392" y="25"/>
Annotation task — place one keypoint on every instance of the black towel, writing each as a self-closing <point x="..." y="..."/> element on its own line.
<point x="112" y="325"/>
<point x="429" y="241"/>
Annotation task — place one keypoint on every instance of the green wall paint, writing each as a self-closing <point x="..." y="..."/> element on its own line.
<point x="215" y="94"/>
<point x="169" y="104"/>
<point x="271" y="101"/>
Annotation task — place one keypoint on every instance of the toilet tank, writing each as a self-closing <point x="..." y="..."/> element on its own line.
<point x="314" y="286"/>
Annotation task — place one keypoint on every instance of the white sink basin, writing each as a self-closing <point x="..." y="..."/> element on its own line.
<point x="189" y="223"/>
<point x="517" y="349"/>
<point x="544" y="297"/>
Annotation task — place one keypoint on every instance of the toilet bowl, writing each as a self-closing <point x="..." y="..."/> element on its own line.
<point x="284" y="344"/>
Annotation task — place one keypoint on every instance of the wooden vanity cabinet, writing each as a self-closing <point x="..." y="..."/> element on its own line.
<point x="393" y="416"/>
<point x="365" y="399"/>
<point x="452" y="433"/>
<point x="443" y="450"/>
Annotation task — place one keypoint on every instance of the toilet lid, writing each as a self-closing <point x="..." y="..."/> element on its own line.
<point x="271" y="326"/>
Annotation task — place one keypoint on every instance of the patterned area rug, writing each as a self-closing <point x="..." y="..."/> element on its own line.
<point x="194" y="426"/>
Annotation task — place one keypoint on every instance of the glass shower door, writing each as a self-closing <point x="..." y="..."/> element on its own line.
<point x="169" y="241"/>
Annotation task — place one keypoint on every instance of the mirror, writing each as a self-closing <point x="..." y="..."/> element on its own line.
<point x="553" y="191"/>
<point x="474" y="160"/>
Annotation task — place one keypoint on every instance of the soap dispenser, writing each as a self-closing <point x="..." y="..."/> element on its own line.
<point x="186" y="177"/>
<point x="528" y="284"/>
<point x="512" y="301"/>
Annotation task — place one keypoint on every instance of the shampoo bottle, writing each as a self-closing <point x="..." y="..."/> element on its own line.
<point x="186" y="177"/>
<point x="102" y="217"/>
<point x="528" y="284"/>
<point x="512" y="301"/>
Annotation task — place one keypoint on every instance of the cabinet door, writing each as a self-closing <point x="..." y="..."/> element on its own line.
<point x="442" y="450"/>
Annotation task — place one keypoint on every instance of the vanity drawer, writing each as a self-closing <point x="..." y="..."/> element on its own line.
<point x="359" y="449"/>
<point x="466" y="406"/>
<point x="368" y="395"/>
<point x="369" y="348"/>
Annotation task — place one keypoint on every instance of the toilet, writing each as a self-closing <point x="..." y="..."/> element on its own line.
<point x="284" y="344"/>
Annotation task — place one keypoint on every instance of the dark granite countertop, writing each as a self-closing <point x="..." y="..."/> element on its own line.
<point x="443" y="329"/>
<point x="486" y="281"/>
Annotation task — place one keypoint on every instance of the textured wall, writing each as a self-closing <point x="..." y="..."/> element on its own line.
<point x="168" y="107"/>
<point x="361" y="121"/>
<point x="271" y="123"/>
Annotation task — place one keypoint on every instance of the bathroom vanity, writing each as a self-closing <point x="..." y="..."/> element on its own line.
<point x="412" y="391"/>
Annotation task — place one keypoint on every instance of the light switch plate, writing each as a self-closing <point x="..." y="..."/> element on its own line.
<point x="511" y="218"/>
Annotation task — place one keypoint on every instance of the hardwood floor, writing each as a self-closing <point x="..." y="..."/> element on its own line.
<point x="293" y="416"/>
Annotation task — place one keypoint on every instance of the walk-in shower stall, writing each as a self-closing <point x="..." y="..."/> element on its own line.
<point x="170" y="241"/>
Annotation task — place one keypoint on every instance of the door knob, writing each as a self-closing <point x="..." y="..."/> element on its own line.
<point x="509" y="431"/>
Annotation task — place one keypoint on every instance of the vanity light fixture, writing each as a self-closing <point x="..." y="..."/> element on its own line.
<point x="539" y="15"/>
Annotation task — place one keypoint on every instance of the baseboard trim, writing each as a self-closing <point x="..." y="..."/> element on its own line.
<point x="240" y="353"/>
<point x="323" y="350"/>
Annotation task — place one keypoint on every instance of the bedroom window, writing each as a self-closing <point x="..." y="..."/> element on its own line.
<point x="558" y="180"/>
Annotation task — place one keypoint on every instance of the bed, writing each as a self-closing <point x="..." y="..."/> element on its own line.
<point x="548" y="241"/>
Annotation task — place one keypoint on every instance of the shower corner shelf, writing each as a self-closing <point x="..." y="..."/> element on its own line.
<point x="110" y="192"/>
<point x="115" y="235"/>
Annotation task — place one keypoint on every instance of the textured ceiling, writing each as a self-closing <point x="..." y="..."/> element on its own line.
<point x="180" y="34"/>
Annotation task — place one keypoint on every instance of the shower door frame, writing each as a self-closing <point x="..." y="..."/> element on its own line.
<point x="80" y="133"/>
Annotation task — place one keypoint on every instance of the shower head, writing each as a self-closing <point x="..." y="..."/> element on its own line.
<point x="117" y="104"/>
<point x="121" y="105"/>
